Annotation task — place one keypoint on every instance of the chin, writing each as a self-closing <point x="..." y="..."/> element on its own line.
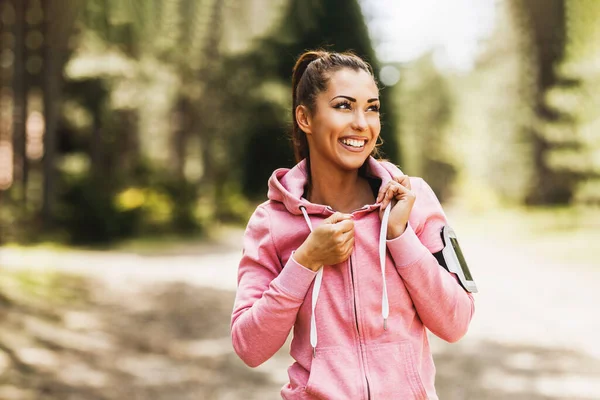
<point x="353" y="162"/>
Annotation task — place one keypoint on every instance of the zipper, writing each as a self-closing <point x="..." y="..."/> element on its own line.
<point x="357" y="328"/>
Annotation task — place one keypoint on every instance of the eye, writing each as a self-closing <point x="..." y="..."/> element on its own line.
<point x="344" y="105"/>
<point x="374" y="108"/>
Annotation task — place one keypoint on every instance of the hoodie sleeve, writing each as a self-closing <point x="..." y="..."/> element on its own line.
<point x="268" y="296"/>
<point x="443" y="305"/>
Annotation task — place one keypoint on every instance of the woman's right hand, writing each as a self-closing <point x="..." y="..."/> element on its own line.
<point x="330" y="243"/>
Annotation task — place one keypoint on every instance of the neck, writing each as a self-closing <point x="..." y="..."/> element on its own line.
<point x="342" y="190"/>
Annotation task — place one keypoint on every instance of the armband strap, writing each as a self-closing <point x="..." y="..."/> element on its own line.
<point x="439" y="256"/>
<point x="452" y="259"/>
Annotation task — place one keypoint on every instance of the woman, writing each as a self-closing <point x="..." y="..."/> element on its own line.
<point x="315" y="254"/>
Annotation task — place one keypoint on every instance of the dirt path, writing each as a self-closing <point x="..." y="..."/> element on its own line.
<point x="156" y="327"/>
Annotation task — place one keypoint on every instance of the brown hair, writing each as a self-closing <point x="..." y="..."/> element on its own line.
<point x="310" y="77"/>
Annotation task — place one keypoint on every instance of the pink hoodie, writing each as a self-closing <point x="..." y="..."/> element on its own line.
<point x="354" y="356"/>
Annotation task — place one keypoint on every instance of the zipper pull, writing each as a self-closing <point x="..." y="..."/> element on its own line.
<point x="314" y="352"/>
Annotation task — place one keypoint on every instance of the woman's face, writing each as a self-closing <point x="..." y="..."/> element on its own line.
<point x="343" y="129"/>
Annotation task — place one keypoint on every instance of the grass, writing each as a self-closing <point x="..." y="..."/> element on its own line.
<point x="146" y="244"/>
<point x="45" y="287"/>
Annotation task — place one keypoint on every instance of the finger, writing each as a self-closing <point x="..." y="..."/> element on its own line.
<point x="382" y="190"/>
<point x="395" y="192"/>
<point x="389" y="194"/>
<point x="345" y="226"/>
<point x="341" y="241"/>
<point x="344" y="238"/>
<point x="337" y="217"/>
<point x="400" y="191"/>
<point x="349" y="247"/>
<point x="404" y="180"/>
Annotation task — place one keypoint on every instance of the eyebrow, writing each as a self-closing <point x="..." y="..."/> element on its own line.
<point x="354" y="100"/>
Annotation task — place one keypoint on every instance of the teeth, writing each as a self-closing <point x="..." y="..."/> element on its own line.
<point x="353" y="142"/>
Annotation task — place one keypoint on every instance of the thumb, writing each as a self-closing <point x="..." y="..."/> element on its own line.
<point x="337" y="217"/>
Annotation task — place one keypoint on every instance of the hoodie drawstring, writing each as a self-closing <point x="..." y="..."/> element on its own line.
<point x="315" y="294"/>
<point x="385" y="308"/>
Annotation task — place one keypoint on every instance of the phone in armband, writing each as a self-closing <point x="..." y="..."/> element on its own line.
<point x="452" y="259"/>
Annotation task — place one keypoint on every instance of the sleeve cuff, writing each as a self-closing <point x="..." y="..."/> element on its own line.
<point x="295" y="279"/>
<point x="406" y="249"/>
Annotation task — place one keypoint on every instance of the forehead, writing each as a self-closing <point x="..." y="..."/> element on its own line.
<point x="352" y="83"/>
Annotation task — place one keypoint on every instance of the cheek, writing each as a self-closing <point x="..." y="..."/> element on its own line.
<point x="334" y="123"/>
<point x="375" y="124"/>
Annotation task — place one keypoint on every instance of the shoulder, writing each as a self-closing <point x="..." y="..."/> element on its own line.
<point x="271" y="210"/>
<point x="273" y="226"/>
<point x="417" y="183"/>
<point x="270" y="218"/>
<point x="392" y="168"/>
<point x="261" y="218"/>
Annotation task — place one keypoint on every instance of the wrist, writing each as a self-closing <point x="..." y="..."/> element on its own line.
<point x="307" y="262"/>
<point x="394" y="231"/>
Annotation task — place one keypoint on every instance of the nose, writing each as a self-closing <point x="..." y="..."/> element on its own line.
<point x="359" y="122"/>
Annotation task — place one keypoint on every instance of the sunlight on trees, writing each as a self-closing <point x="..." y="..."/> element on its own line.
<point x="133" y="117"/>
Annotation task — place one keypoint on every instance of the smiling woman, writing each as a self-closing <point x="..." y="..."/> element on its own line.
<point x="348" y="123"/>
<point x="336" y="124"/>
<point x="312" y="261"/>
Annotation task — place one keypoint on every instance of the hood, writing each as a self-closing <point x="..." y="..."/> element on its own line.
<point x="287" y="185"/>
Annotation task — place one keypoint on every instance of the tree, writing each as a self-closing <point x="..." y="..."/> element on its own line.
<point x="20" y="90"/>
<point x="426" y="100"/>
<point x="544" y="23"/>
<point x="336" y="25"/>
<point x="575" y="98"/>
<point x="58" y="28"/>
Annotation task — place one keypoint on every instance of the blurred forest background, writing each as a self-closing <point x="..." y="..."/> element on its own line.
<point x="125" y="118"/>
<point x="133" y="130"/>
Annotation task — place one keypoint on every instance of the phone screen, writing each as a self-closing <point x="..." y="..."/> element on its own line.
<point x="461" y="259"/>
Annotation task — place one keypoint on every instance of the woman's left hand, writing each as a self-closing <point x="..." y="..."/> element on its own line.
<point x="396" y="189"/>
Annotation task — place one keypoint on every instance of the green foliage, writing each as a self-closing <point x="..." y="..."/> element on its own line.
<point x="89" y="214"/>
<point x="524" y="121"/>
<point x="149" y="202"/>
<point x="174" y="112"/>
<point x="575" y="138"/>
<point x="493" y="112"/>
<point x="266" y="117"/>
<point x="426" y="100"/>
<point x="38" y="286"/>
<point x="17" y="223"/>
<point x="563" y="59"/>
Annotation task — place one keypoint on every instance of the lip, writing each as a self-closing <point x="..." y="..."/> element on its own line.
<point x="355" y="137"/>
<point x="354" y="149"/>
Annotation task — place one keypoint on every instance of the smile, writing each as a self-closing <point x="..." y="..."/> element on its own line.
<point x="355" y="143"/>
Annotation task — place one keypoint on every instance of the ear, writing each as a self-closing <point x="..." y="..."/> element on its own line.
<point x="303" y="119"/>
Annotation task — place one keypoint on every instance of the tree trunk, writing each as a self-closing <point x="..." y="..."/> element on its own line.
<point x="180" y="129"/>
<point x="58" y="23"/>
<point x="97" y="146"/>
<point x="206" y="107"/>
<point x="20" y="100"/>
<point x="51" y="102"/>
<point x="545" y="22"/>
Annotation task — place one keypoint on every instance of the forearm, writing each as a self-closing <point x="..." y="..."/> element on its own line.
<point x="261" y="323"/>
<point x="443" y="305"/>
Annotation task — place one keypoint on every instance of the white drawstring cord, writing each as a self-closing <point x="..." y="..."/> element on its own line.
<point x="315" y="294"/>
<point x="385" y="307"/>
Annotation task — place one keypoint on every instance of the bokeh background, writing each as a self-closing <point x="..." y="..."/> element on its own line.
<point x="137" y="137"/>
